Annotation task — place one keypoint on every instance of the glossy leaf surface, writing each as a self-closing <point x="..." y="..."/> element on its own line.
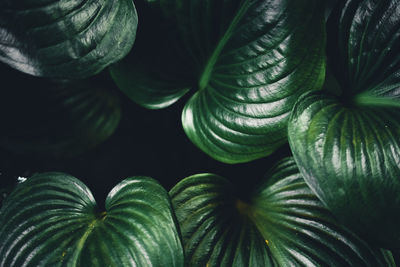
<point x="52" y="220"/>
<point x="347" y="147"/>
<point x="248" y="60"/>
<point x="55" y="119"/>
<point x="65" y="39"/>
<point x="282" y="224"/>
<point x="365" y="47"/>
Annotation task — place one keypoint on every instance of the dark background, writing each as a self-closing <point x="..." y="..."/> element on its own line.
<point x="146" y="142"/>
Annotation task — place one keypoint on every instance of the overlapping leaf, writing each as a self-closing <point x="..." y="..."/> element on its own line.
<point x="52" y="220"/>
<point x="62" y="119"/>
<point x="155" y="74"/>
<point x="347" y="147"/>
<point x="250" y="60"/>
<point x="65" y="39"/>
<point x="282" y="224"/>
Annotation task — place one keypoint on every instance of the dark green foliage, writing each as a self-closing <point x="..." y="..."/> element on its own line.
<point x="243" y="76"/>
<point x="347" y="146"/>
<point x="55" y="118"/>
<point x="281" y="224"/>
<point x="248" y="61"/>
<point x="65" y="39"/>
<point x="52" y="220"/>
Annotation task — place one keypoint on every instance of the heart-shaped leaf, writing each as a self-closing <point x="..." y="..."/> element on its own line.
<point x="347" y="147"/>
<point x="61" y="119"/>
<point x="250" y="60"/>
<point x="281" y="224"/>
<point x="52" y="220"/>
<point x="65" y="39"/>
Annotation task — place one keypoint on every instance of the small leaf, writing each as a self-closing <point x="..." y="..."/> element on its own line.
<point x="65" y="39"/>
<point x="249" y="60"/>
<point x="282" y="224"/>
<point x="52" y="220"/>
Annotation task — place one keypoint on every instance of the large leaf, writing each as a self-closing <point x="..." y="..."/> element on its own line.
<point x="249" y="61"/>
<point x="70" y="38"/>
<point x="62" y="119"/>
<point x="347" y="147"/>
<point x="52" y="220"/>
<point x="281" y="224"/>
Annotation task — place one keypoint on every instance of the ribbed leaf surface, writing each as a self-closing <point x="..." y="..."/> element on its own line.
<point x="347" y="147"/>
<point x="65" y="39"/>
<point x="368" y="41"/>
<point x="351" y="159"/>
<point x="283" y="224"/>
<point x="250" y="60"/>
<point x="52" y="220"/>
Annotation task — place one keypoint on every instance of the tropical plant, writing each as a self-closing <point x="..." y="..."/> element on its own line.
<point x="295" y="103"/>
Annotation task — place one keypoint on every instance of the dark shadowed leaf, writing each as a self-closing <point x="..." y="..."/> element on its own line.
<point x="62" y="119"/>
<point x="156" y="73"/>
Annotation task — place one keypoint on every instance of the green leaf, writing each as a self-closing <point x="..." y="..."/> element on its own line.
<point x="65" y="39"/>
<point x="249" y="61"/>
<point x="347" y="147"/>
<point x="52" y="220"/>
<point x="281" y="224"/>
<point x="365" y="39"/>
<point x="350" y="157"/>
<point x="151" y="89"/>
<point x="56" y="119"/>
<point x="155" y="74"/>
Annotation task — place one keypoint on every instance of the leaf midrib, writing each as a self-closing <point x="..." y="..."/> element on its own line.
<point x="82" y="241"/>
<point x="368" y="99"/>
<point x="206" y="75"/>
